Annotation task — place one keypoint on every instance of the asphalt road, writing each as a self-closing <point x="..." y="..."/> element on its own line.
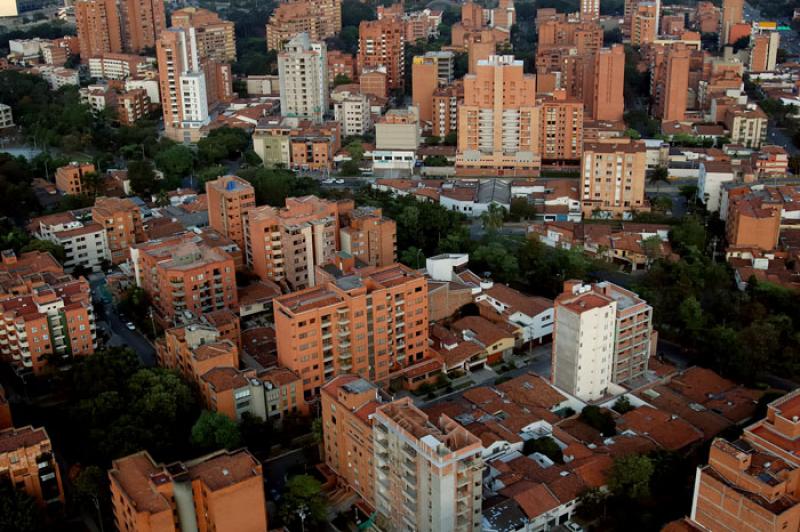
<point x="118" y="331"/>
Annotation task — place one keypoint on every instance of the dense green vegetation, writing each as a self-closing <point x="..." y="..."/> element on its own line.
<point x="46" y="30"/>
<point x="744" y="335"/>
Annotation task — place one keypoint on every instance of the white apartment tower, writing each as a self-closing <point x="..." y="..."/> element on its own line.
<point x="184" y="95"/>
<point x="352" y="111"/>
<point x="587" y="318"/>
<point x="428" y="475"/>
<point x="583" y="342"/>
<point x="303" y="77"/>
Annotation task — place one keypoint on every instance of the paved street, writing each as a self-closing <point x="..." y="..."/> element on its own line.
<point x="108" y="319"/>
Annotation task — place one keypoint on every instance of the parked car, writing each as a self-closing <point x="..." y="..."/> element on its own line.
<point x="130" y="326"/>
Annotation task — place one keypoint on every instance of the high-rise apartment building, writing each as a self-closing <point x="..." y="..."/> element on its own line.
<point x="98" y="27"/>
<point x="44" y="312"/>
<point x="285" y="245"/>
<point x="607" y="101"/>
<point x="644" y="23"/>
<point x="28" y="464"/>
<point x="220" y="491"/>
<point x="229" y="198"/>
<point x="602" y="335"/>
<point x="184" y="86"/>
<point x="185" y="276"/>
<point x="561" y="128"/>
<point x="428" y="73"/>
<point x="122" y="221"/>
<point x="369" y="237"/>
<point x="319" y="18"/>
<point x="583" y="343"/>
<point x="669" y="81"/>
<point x="382" y="43"/>
<point x="732" y="14"/>
<point x="613" y="174"/>
<point x="764" y="51"/>
<point x="753" y="483"/>
<point x="590" y="10"/>
<point x="142" y="23"/>
<point x="446" y="101"/>
<point x="347" y="405"/>
<point x="303" y="75"/>
<point x="215" y="37"/>
<point x="428" y="473"/>
<point x="114" y="26"/>
<point x="353" y="112"/>
<point x="424" y="83"/>
<point x="498" y="122"/>
<point x="373" y="323"/>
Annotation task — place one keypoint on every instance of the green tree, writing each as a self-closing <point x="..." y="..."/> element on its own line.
<point x="18" y="511"/>
<point x="622" y="405"/>
<point x="142" y="177"/>
<point x="451" y="139"/>
<point x="341" y="79"/>
<point x="223" y="143"/>
<point x="413" y="257"/>
<point x="122" y="408"/>
<point x="600" y="419"/>
<point x="493" y="217"/>
<point x="546" y="446"/>
<point x="213" y="431"/>
<point x="498" y="259"/>
<point x="433" y="140"/>
<point x="175" y="161"/>
<point x="56" y="250"/>
<point x="630" y="476"/>
<point x="303" y="493"/>
<point x="522" y="209"/>
<point x="689" y="235"/>
<point x="659" y="175"/>
<point x="349" y="168"/>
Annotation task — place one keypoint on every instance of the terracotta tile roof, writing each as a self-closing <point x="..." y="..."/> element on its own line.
<point x="528" y="305"/>
<point x="279" y="376"/>
<point x="224" y="469"/>
<point x="429" y="366"/>
<point x="12" y="438"/>
<point x="484" y="330"/>
<point x="568" y="487"/>
<point x="536" y="500"/>
<point x="698" y="384"/>
<point x="670" y="433"/>
<point x="581" y="431"/>
<point x="134" y="473"/>
<point x="533" y="391"/>
<point x="460" y="354"/>
<point x="223" y="379"/>
<point x="594" y="470"/>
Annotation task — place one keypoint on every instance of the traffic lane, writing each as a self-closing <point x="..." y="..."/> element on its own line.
<point x="127" y="338"/>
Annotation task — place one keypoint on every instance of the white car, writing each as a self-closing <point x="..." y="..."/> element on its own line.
<point x="130" y="326"/>
<point x="340" y="181"/>
<point x="573" y="527"/>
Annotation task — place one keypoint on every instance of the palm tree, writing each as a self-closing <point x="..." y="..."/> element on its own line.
<point x="659" y="175"/>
